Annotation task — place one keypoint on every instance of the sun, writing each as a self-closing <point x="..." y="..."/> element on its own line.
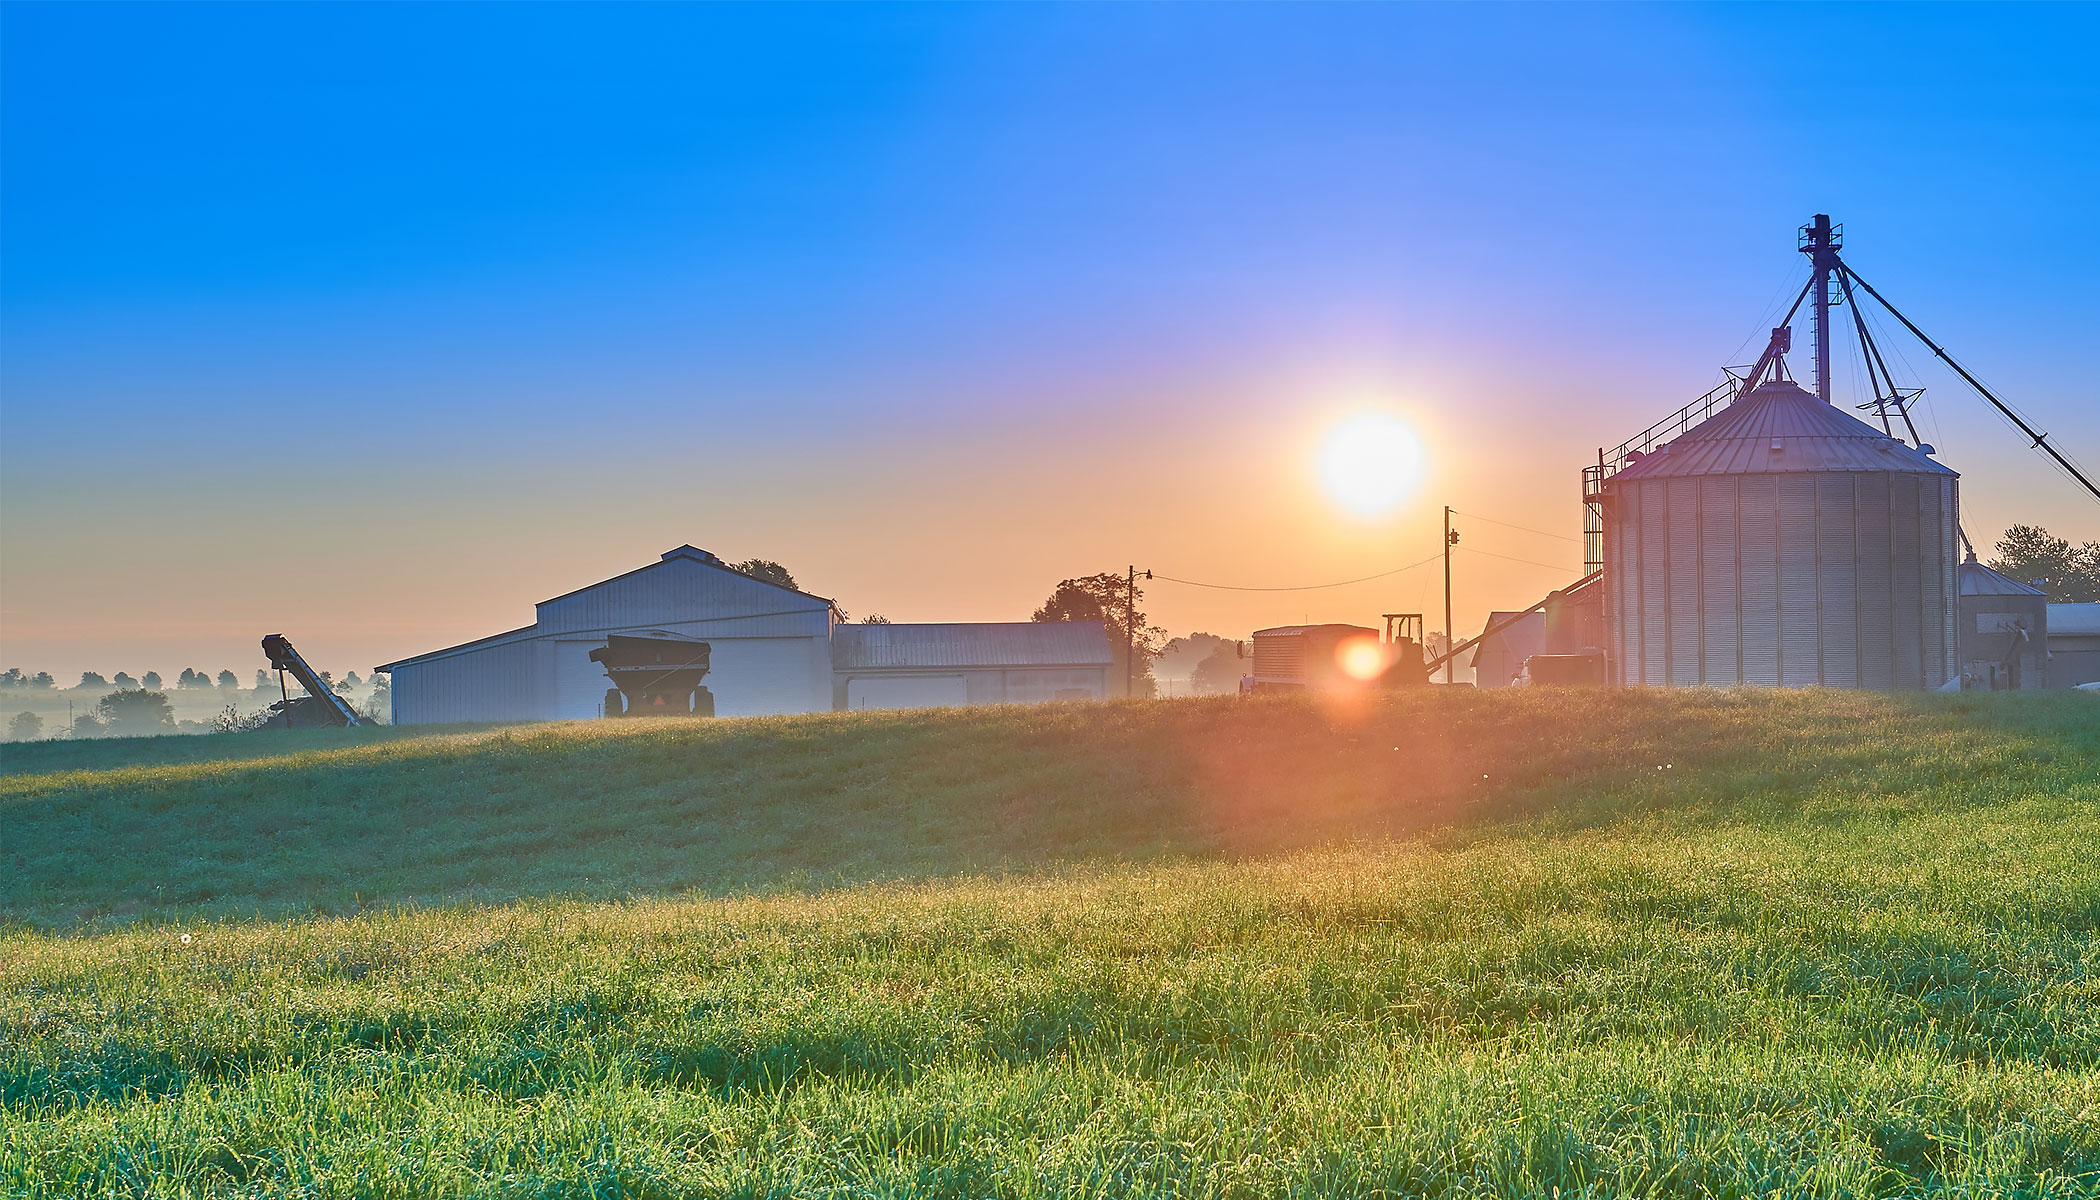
<point x="1370" y="463"/>
<point x="1360" y="658"/>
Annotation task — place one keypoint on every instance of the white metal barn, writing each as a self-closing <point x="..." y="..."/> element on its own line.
<point x="923" y="666"/>
<point x="772" y="651"/>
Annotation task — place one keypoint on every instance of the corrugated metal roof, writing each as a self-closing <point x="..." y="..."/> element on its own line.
<point x="2079" y="620"/>
<point x="1780" y="429"/>
<point x="1290" y="630"/>
<point x="681" y="588"/>
<point x="1520" y="640"/>
<point x="477" y="644"/>
<point x="687" y="553"/>
<point x="1979" y="580"/>
<point x="980" y="644"/>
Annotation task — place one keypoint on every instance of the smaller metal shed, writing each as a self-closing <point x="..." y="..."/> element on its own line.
<point x="2074" y="644"/>
<point x="1292" y="657"/>
<point x="2003" y="625"/>
<point x="1500" y="655"/>
<point x="930" y="666"/>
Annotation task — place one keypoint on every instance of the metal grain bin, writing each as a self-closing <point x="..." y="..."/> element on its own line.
<point x="1782" y="542"/>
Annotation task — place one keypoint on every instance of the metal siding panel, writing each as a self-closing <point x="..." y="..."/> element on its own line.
<point x="494" y="683"/>
<point x="1721" y="629"/>
<point x="1798" y="638"/>
<point x="1907" y="553"/>
<point x="1655" y="583"/>
<point x="1684" y="594"/>
<point x="1932" y="530"/>
<point x="1756" y="499"/>
<point x="1950" y="602"/>
<point x="972" y="645"/>
<point x="1837" y="581"/>
<point x="1628" y="533"/>
<point x="1876" y="628"/>
<point x="1615" y="591"/>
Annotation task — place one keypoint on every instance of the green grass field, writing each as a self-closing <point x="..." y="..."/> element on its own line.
<point x="1454" y="944"/>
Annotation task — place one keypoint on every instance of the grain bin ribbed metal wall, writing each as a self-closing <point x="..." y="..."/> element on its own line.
<point x="1782" y="542"/>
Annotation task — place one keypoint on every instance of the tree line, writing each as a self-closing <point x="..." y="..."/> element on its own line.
<point x="151" y="681"/>
<point x="2068" y="574"/>
<point x="139" y="707"/>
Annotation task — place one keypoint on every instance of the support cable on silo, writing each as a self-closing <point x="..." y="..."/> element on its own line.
<point x="2040" y="439"/>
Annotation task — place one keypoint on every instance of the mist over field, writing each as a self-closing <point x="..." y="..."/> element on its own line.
<point x="199" y="707"/>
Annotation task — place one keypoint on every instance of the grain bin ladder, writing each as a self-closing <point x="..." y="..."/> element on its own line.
<point x="283" y="658"/>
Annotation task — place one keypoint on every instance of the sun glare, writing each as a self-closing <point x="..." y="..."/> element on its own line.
<point x="1370" y="463"/>
<point x="1360" y="658"/>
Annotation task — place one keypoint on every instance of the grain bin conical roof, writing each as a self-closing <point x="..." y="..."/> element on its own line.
<point x="1780" y="429"/>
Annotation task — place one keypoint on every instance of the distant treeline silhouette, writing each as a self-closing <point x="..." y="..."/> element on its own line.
<point x="151" y="681"/>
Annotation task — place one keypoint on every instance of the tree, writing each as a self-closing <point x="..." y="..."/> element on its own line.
<point x="380" y="705"/>
<point x="262" y="679"/>
<point x="13" y="678"/>
<point x="123" y="682"/>
<point x="89" y="679"/>
<point x="768" y="572"/>
<point x="25" y="727"/>
<point x="136" y="713"/>
<point x="1219" y="673"/>
<point x="150" y="681"/>
<point x="874" y="619"/>
<point x="352" y="680"/>
<point x="1109" y="599"/>
<point x="42" y="680"/>
<point x="1184" y="654"/>
<point x="229" y="681"/>
<point x="86" y="726"/>
<point x="2031" y="554"/>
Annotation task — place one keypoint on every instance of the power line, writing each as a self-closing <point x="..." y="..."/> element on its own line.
<point x="1527" y="561"/>
<point x="1526" y="528"/>
<point x="1310" y="587"/>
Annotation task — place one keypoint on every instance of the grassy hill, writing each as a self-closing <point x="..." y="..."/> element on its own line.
<point x="1701" y="944"/>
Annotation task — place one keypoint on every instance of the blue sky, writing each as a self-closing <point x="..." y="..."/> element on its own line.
<point x="940" y="304"/>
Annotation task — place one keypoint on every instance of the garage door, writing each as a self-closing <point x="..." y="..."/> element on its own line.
<point x="939" y="691"/>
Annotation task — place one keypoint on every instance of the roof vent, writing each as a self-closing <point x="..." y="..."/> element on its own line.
<point x="690" y="552"/>
<point x="1778" y="447"/>
<point x="1926" y="448"/>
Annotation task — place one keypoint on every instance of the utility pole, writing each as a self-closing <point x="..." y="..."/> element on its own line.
<point x="1450" y="540"/>
<point x="1130" y="631"/>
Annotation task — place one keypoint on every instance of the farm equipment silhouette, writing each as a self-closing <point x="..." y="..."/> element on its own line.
<point x="319" y="708"/>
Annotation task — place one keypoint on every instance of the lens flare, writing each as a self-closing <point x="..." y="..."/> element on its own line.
<point x="1371" y="463"/>
<point x="1360" y="658"/>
